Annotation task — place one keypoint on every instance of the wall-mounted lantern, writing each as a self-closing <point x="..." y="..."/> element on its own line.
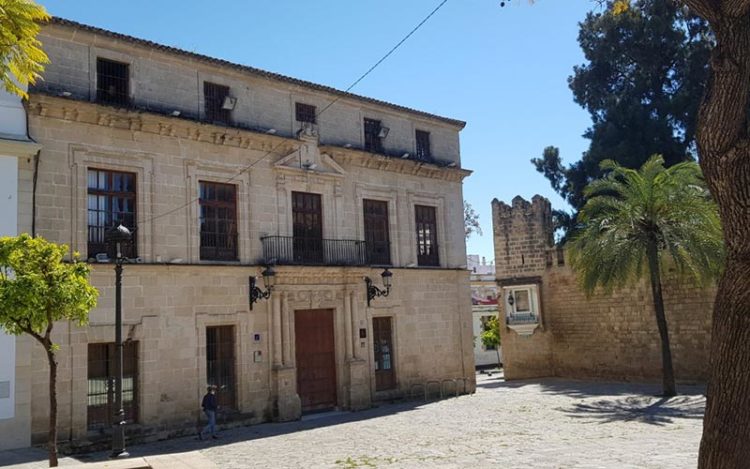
<point x="255" y="293"/>
<point x="373" y="291"/>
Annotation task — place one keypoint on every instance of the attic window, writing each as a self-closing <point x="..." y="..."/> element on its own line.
<point x="305" y="112"/>
<point x="373" y="136"/>
<point x="423" y="145"/>
<point x="112" y="82"/>
<point x="214" y="97"/>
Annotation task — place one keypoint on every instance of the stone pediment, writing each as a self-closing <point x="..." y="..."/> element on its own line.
<point x="308" y="158"/>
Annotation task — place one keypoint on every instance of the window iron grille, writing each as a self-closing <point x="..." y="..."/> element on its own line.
<point x="305" y="113"/>
<point x="377" y="234"/>
<point x="426" y="225"/>
<point x="423" y="145"/>
<point x="112" y="82"/>
<point x="101" y="384"/>
<point x="111" y="201"/>
<point x="373" y="139"/>
<point x="214" y="97"/>
<point x="218" y="221"/>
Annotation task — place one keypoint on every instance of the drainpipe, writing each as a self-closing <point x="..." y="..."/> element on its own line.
<point x="35" y="176"/>
<point x="33" y="193"/>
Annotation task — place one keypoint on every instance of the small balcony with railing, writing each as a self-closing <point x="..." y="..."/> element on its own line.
<point x="291" y="250"/>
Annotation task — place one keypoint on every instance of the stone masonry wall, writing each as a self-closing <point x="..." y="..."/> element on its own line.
<point x="167" y="81"/>
<point x="605" y="336"/>
<point x="167" y="306"/>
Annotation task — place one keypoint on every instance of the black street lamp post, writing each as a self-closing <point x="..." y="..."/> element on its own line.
<point x="117" y="236"/>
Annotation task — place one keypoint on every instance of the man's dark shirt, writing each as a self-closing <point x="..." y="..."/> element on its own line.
<point x="209" y="402"/>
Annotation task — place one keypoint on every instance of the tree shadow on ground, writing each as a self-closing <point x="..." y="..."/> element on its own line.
<point x="643" y="409"/>
<point x="36" y="457"/>
<point x="584" y="389"/>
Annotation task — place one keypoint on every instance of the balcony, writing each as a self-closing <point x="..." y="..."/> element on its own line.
<point x="289" y="250"/>
<point x="523" y="323"/>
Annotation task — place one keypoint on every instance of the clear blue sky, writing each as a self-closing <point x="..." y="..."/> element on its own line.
<point x="502" y="70"/>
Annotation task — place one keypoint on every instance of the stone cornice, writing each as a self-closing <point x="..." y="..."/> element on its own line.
<point x="18" y="148"/>
<point x="72" y="110"/>
<point x="86" y="112"/>
<point x="398" y="165"/>
<point x="514" y="281"/>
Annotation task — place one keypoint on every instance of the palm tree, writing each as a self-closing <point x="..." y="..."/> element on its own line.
<point x="644" y="218"/>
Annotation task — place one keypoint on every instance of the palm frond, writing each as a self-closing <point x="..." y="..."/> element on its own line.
<point x="626" y="208"/>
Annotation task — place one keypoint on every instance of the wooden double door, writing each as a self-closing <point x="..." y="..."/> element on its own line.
<point x="316" y="359"/>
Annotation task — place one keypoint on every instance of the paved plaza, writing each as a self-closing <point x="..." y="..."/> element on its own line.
<point x="546" y="423"/>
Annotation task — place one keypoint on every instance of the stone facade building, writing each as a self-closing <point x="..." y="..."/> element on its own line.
<point x="222" y="169"/>
<point x="554" y="329"/>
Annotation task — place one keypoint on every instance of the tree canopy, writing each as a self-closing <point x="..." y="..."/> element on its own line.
<point x="37" y="288"/>
<point x="645" y="71"/>
<point x="628" y="208"/>
<point x="21" y="56"/>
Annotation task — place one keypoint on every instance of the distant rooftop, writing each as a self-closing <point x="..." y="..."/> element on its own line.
<point x="480" y="266"/>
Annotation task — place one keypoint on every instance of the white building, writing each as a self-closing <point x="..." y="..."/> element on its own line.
<point x="15" y="361"/>
<point x="484" y="306"/>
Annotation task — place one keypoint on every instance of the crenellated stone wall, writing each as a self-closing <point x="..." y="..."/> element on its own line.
<point x="602" y="336"/>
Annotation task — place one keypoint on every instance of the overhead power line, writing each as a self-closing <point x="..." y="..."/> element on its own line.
<point x="349" y="88"/>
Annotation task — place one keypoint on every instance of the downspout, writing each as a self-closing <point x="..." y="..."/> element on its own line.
<point x="35" y="176"/>
<point x="33" y="193"/>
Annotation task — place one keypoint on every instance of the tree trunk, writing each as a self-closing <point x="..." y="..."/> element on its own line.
<point x="667" y="373"/>
<point x="724" y="147"/>
<point x="52" y="440"/>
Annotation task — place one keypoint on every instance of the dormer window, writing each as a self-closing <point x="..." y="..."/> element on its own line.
<point x="112" y="82"/>
<point x="218" y="103"/>
<point x="304" y="113"/>
<point x="423" y="145"/>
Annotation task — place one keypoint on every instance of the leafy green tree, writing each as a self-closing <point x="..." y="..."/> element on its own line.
<point x="21" y="57"/>
<point x="634" y="221"/>
<point x="471" y="221"/>
<point x="645" y="71"/>
<point x="490" y="336"/>
<point x="37" y="288"/>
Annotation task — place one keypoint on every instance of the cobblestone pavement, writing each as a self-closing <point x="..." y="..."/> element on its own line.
<point x="541" y="423"/>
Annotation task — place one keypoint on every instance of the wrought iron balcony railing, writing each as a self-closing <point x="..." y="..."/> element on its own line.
<point x="290" y="250"/>
<point x="522" y="318"/>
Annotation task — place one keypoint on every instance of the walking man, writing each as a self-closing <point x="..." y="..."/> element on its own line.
<point x="209" y="408"/>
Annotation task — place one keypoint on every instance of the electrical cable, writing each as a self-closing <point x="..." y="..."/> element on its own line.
<point x="355" y="83"/>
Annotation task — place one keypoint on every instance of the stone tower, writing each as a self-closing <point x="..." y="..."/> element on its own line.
<point x="523" y="237"/>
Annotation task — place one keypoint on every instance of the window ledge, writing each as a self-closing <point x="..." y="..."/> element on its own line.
<point x="524" y="329"/>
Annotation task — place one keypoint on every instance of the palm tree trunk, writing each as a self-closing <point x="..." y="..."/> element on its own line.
<point x="52" y="440"/>
<point x="668" y="385"/>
